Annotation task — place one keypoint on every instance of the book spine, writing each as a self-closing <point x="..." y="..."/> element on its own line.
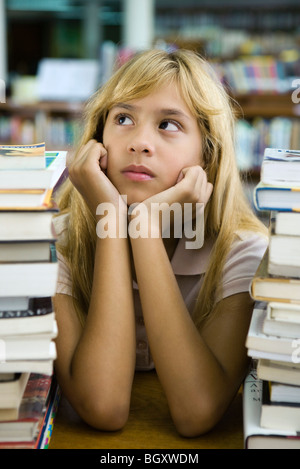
<point x="252" y="399"/>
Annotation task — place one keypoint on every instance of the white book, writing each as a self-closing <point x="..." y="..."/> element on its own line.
<point x="30" y="366"/>
<point x="282" y="319"/>
<point x="21" y="326"/>
<point x="277" y="371"/>
<point x="28" y="279"/>
<point x="256" y="437"/>
<point x="284" y="255"/>
<point x="282" y="154"/>
<point x="259" y="354"/>
<point x="261" y="342"/>
<point x="28" y="347"/>
<point x="26" y="225"/>
<point x="282" y="392"/>
<point x="22" y="157"/>
<point x="11" y="392"/>
<point x="287" y="223"/>
<point x="23" y="198"/>
<point x="27" y="251"/>
<point x="46" y="177"/>
<point x="281" y="166"/>
<point x="285" y="416"/>
<point x="286" y="312"/>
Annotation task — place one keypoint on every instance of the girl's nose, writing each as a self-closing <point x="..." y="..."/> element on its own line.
<point x="141" y="144"/>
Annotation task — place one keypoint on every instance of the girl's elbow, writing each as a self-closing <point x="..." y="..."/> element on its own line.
<point x="104" y="416"/>
<point x="197" y="420"/>
<point x="191" y="429"/>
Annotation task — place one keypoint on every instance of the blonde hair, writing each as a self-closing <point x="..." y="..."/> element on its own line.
<point x="227" y="210"/>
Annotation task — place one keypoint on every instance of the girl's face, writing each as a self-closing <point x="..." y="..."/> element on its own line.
<point x="149" y="141"/>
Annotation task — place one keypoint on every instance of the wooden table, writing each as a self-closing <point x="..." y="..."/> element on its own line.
<point x="149" y="425"/>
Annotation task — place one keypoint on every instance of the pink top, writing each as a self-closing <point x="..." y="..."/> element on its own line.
<point x="189" y="265"/>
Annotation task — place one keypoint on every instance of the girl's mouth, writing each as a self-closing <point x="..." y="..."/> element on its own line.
<point x="138" y="173"/>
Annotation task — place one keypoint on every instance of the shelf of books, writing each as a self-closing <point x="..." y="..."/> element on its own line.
<point x="28" y="270"/>
<point x="263" y="121"/>
<point x="258" y="64"/>
<point x="272" y="389"/>
<point x="58" y="123"/>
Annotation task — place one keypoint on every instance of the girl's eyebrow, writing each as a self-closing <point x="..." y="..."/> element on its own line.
<point x="129" y="107"/>
<point x="174" y="112"/>
<point x="165" y="111"/>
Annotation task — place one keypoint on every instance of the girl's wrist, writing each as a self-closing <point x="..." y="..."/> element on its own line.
<point x="144" y="222"/>
<point x="111" y="220"/>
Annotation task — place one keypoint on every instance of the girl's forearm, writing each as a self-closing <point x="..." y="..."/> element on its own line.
<point x="104" y="360"/>
<point x="188" y="370"/>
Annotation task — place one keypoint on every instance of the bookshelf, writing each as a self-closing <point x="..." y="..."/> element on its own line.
<point x="236" y="37"/>
<point x="254" y="49"/>
<point x="263" y="27"/>
<point x="265" y="119"/>
<point x="268" y="105"/>
<point x="57" y="123"/>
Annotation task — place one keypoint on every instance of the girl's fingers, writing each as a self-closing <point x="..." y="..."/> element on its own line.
<point x="180" y="177"/>
<point x="209" y="191"/>
<point x="203" y="188"/>
<point x="87" y="174"/>
<point x="90" y="162"/>
<point x="103" y="161"/>
<point x="95" y="152"/>
<point x="193" y="182"/>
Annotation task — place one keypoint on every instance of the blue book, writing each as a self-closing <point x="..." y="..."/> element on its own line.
<point x="279" y="197"/>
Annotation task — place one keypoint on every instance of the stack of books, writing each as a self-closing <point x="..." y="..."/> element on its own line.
<point x="29" y="424"/>
<point x="28" y="274"/>
<point x="272" y="390"/>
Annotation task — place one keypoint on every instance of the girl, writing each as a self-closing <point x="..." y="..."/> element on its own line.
<point x="159" y="132"/>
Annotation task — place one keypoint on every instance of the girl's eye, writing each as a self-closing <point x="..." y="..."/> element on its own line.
<point x="123" y="120"/>
<point x="170" y="126"/>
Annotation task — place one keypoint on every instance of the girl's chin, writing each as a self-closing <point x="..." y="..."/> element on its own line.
<point x="131" y="201"/>
<point x="136" y="198"/>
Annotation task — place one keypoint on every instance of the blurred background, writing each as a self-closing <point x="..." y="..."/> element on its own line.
<point x="55" y="53"/>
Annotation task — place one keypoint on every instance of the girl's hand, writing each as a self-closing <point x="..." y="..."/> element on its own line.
<point x="191" y="188"/>
<point x="86" y="172"/>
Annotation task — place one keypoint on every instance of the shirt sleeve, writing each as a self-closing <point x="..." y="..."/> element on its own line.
<point x="242" y="263"/>
<point x="64" y="282"/>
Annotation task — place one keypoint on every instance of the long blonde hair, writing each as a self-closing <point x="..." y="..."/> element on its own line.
<point x="227" y="210"/>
